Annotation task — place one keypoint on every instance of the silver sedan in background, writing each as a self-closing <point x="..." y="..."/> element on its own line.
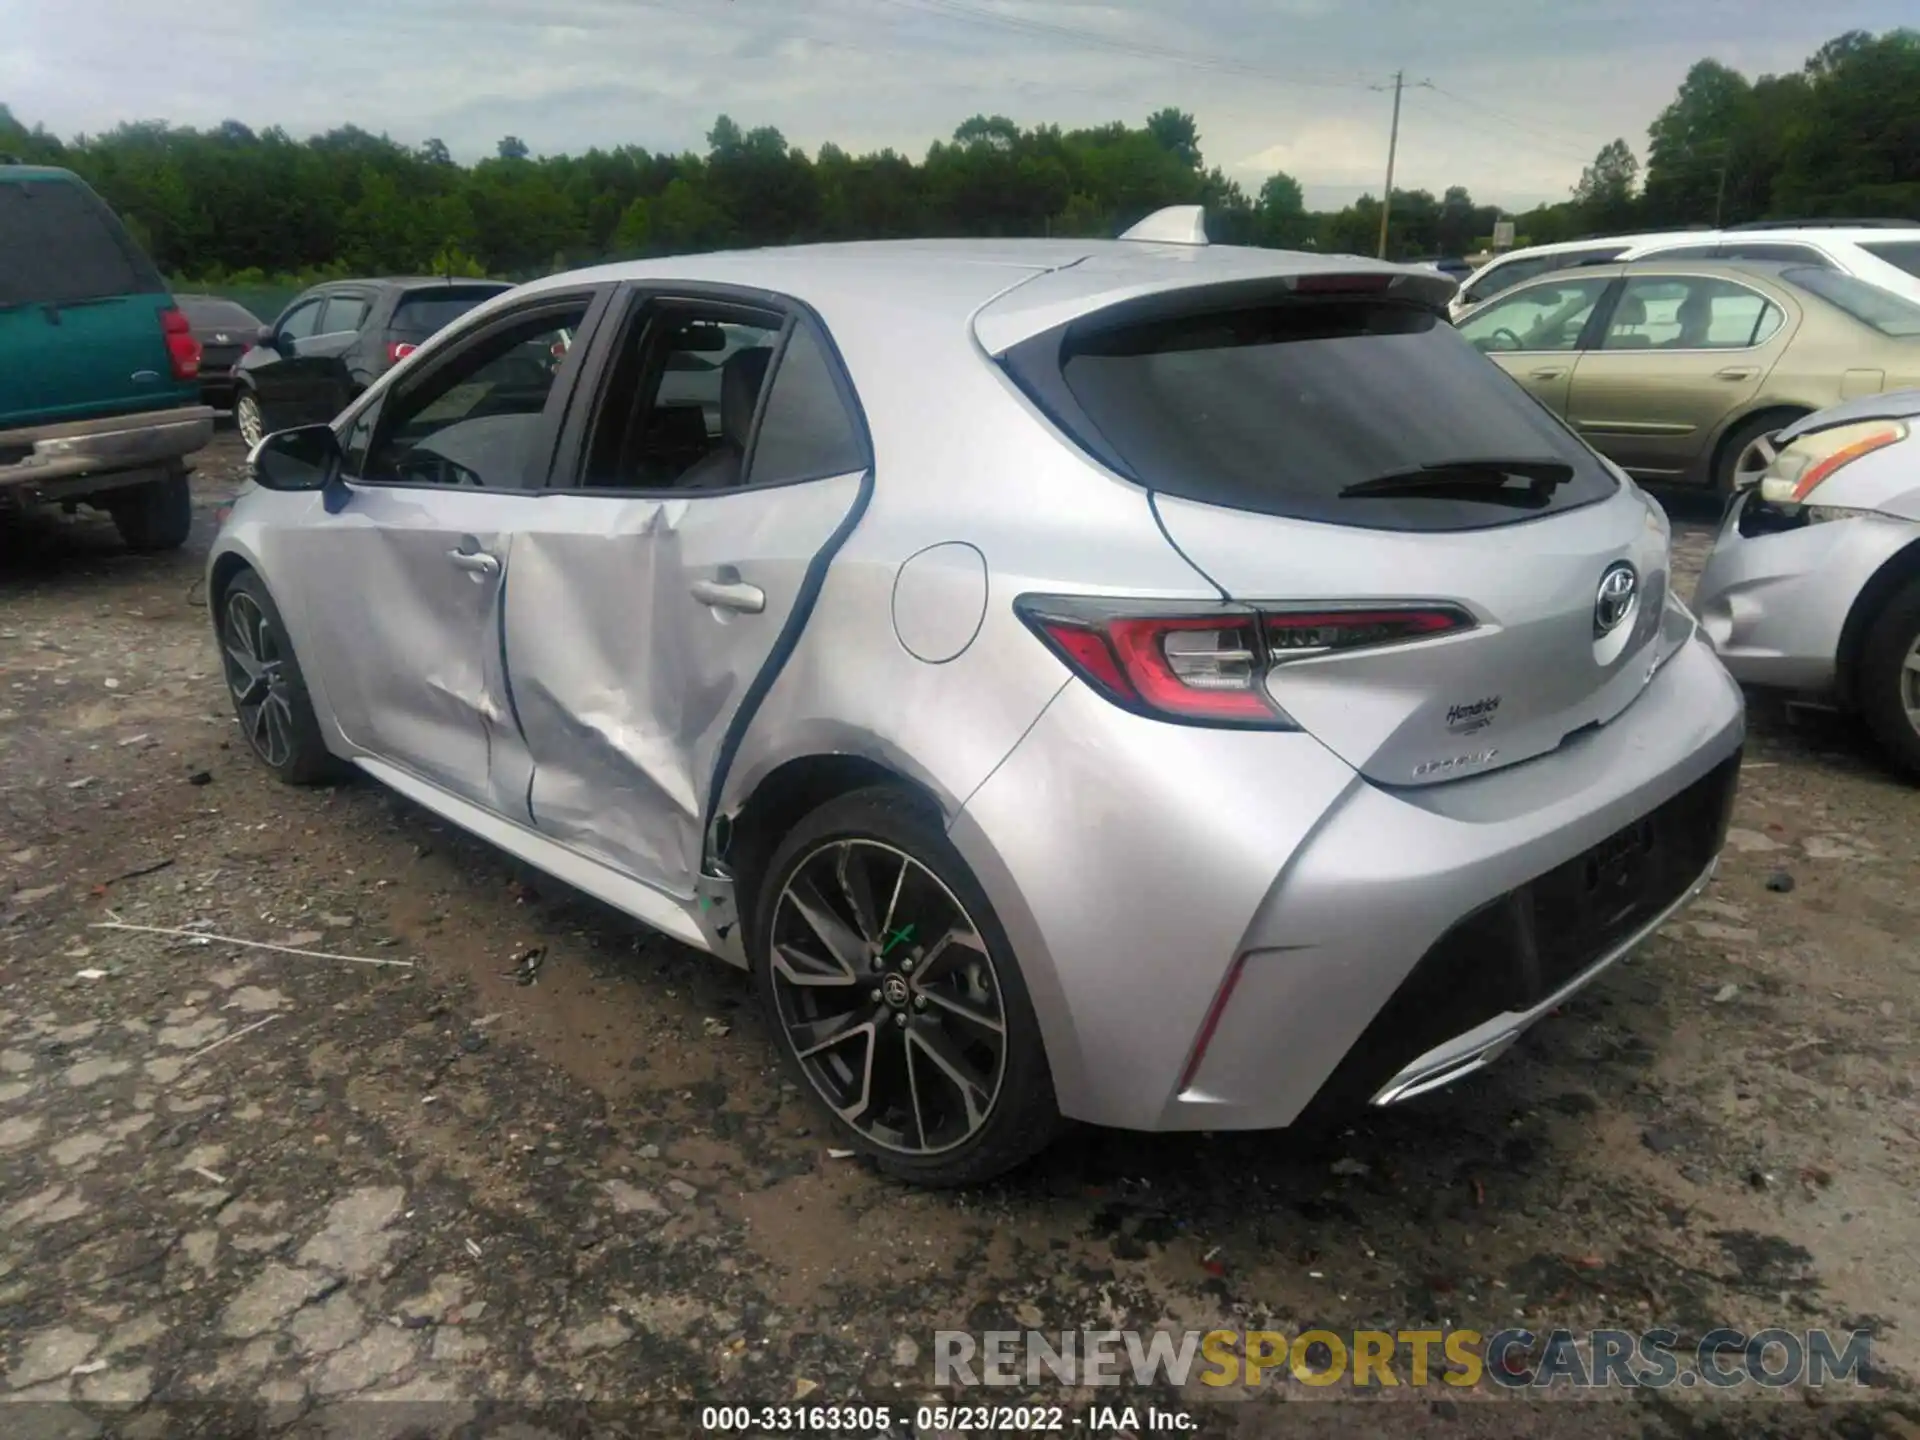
<point x="1144" y="682"/>
<point x="1813" y="585"/>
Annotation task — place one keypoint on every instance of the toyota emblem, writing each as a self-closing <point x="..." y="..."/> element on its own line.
<point x="1614" y="602"/>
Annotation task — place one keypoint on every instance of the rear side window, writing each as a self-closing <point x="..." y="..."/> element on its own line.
<point x="805" y="430"/>
<point x="426" y="311"/>
<point x="1292" y="407"/>
<point x="1885" y="311"/>
<point x="344" y="314"/>
<point x="1902" y="254"/>
<point x="61" y="245"/>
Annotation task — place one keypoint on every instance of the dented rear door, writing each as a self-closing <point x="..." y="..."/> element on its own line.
<point x="639" y="621"/>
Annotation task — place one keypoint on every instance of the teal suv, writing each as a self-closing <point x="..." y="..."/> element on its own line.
<point x="99" y="371"/>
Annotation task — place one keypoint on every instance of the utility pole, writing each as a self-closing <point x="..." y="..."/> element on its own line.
<point x="1393" y="144"/>
<point x="1720" y="194"/>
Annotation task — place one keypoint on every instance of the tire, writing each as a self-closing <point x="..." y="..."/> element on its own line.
<point x="1738" y="451"/>
<point x="1888" y="681"/>
<point x="248" y="418"/>
<point x="269" y="693"/>
<point x="892" y="1044"/>
<point x="154" y="515"/>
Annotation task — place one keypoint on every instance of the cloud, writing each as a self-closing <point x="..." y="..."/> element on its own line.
<point x="1509" y="99"/>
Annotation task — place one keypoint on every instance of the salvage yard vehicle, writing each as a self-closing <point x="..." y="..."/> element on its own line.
<point x="99" y="373"/>
<point x="1813" y="586"/>
<point x="1679" y="371"/>
<point x="1157" y="684"/>
<point x="335" y="340"/>
<point x="226" y="330"/>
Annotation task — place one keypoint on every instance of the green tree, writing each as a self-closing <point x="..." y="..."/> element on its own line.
<point x="1605" y="195"/>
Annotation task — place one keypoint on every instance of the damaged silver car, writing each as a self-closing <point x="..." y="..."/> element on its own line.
<point x="1163" y="685"/>
<point x="1813" y="586"/>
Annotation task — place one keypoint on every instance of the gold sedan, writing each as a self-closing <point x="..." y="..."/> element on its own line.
<point x="1681" y="371"/>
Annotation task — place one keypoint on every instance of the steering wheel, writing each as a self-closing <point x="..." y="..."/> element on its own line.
<point x="1514" y="341"/>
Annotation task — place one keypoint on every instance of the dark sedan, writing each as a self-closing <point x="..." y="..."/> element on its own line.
<point x="224" y="329"/>
<point x="335" y="340"/>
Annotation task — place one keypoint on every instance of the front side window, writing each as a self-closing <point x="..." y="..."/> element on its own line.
<point x="302" y="321"/>
<point x="1689" y="312"/>
<point x="471" y="420"/>
<point x="1546" y="316"/>
<point x="1501" y="278"/>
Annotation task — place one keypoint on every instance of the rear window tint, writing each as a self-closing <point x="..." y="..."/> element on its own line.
<point x="425" y="312"/>
<point x="61" y="245"/>
<point x="202" y="312"/>
<point x="1284" y="407"/>
<point x="1885" y="311"/>
<point x="805" y="430"/>
<point x="1902" y="254"/>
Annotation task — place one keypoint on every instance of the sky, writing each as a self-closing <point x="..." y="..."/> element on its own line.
<point x="1507" y="97"/>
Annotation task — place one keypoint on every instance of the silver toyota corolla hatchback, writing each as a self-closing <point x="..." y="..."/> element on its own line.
<point x="1151" y="683"/>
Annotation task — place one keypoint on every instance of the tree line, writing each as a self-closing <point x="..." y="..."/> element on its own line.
<point x="234" y="204"/>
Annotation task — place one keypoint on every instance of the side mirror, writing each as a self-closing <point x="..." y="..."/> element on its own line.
<point x="305" y="458"/>
<point x="266" y="338"/>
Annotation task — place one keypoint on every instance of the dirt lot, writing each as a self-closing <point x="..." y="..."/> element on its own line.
<point x="236" y="1185"/>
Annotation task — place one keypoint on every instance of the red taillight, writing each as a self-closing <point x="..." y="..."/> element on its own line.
<point x="183" y="351"/>
<point x="398" y="350"/>
<point x="1208" y="664"/>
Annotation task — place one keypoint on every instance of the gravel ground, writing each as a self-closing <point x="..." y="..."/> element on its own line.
<point x="236" y="1185"/>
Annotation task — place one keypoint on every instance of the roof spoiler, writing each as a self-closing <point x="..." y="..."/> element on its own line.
<point x="1175" y="225"/>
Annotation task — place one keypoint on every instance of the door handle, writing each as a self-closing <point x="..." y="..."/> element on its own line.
<point x="1736" y="372"/>
<point x="1546" y="374"/>
<point x="724" y="595"/>
<point x="476" y="561"/>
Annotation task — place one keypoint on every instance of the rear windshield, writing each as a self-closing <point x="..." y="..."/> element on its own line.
<point x="1902" y="253"/>
<point x="61" y="245"/>
<point x="1291" y="408"/>
<point x="203" y="312"/>
<point x="426" y="311"/>
<point x="1885" y="311"/>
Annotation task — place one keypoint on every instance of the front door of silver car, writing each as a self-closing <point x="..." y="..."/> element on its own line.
<point x="719" y="456"/>
<point x="402" y="577"/>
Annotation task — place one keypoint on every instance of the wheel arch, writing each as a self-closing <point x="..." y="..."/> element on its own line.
<point x="790" y="792"/>
<point x="227" y="566"/>
<point x="1894" y="574"/>
<point x="1782" y="414"/>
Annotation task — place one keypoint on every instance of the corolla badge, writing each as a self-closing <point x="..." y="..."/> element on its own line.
<point x="1614" y="601"/>
<point x="1453" y="763"/>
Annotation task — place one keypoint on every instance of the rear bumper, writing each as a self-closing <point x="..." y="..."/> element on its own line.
<point x="1137" y="866"/>
<point x="39" y="459"/>
<point x="1775" y="604"/>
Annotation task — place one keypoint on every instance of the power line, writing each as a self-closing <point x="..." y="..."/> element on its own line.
<point x="1529" y="127"/>
<point x="953" y="9"/>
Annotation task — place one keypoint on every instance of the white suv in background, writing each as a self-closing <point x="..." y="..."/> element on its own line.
<point x="1883" y="253"/>
<point x="1503" y="272"/>
<point x="1886" y="254"/>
